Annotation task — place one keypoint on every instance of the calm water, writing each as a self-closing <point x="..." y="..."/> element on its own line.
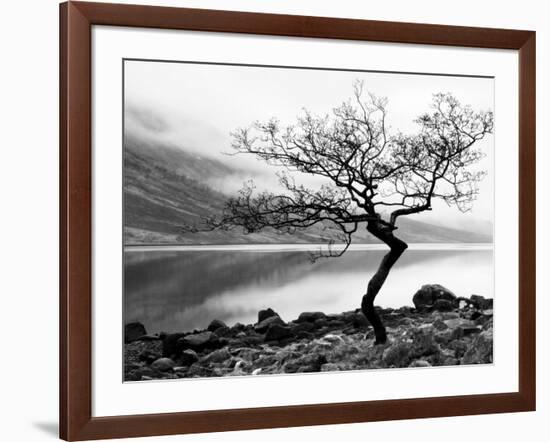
<point x="170" y="289"/>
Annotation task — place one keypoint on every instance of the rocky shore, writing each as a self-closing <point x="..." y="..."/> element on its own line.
<point x="441" y="329"/>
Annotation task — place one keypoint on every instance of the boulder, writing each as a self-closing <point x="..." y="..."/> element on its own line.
<point x="222" y="331"/>
<point x="360" y="321"/>
<point x="267" y="313"/>
<point x="188" y="357"/>
<point x="199" y="341"/>
<point x="443" y="305"/>
<point x="262" y="327"/>
<point x="216" y="356"/>
<point x="216" y="324"/>
<point x="163" y="364"/>
<point x="238" y="327"/>
<point x="310" y="316"/>
<point x="425" y="298"/>
<point x="481" y="303"/>
<point x="133" y="331"/>
<point x="302" y="327"/>
<point x="170" y="344"/>
<point x="276" y="332"/>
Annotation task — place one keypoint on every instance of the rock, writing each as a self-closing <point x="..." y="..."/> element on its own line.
<point x="321" y="322"/>
<point x="197" y="371"/>
<point x="420" y="363"/>
<point x="304" y="335"/>
<point x="457" y="333"/>
<point x="360" y="321"/>
<point x="443" y="305"/>
<point x="251" y="341"/>
<point x="146" y="371"/>
<point x="481" y="303"/>
<point x="459" y="322"/>
<point x="199" y="341"/>
<point x="238" y="327"/>
<point x="440" y="325"/>
<point x="276" y="332"/>
<point x="426" y="297"/>
<point x="444" y="336"/>
<point x="216" y="324"/>
<point x="188" y="357"/>
<point x="459" y="347"/>
<point x="450" y="315"/>
<point x="264" y="325"/>
<point x="425" y="328"/>
<point x="222" y="331"/>
<point x="397" y="355"/>
<point x="133" y="331"/>
<point x="302" y="327"/>
<point x="424" y="344"/>
<point x="333" y="339"/>
<point x="149" y="338"/>
<point x="170" y="344"/>
<point x="264" y="314"/>
<point x="148" y="356"/>
<point x="310" y="316"/>
<point x="471" y="330"/>
<point x="338" y="366"/>
<point x="163" y="364"/>
<point x="481" y="349"/>
<point x="305" y="364"/>
<point x="451" y="361"/>
<point x="133" y="375"/>
<point x="216" y="356"/>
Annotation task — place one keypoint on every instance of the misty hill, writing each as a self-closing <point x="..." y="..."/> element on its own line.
<point x="165" y="187"/>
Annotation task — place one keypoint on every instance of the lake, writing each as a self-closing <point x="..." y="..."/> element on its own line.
<point x="182" y="288"/>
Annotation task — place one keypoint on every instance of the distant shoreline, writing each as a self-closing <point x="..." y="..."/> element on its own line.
<point x="301" y="247"/>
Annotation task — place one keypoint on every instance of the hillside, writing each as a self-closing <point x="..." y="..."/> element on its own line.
<point x="165" y="187"/>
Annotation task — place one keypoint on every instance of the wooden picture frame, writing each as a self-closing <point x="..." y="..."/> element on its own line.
<point x="76" y="21"/>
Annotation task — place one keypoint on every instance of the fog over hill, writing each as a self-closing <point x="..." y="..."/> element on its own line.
<point x="167" y="186"/>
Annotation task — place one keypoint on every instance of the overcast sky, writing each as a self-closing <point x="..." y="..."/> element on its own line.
<point x="196" y="106"/>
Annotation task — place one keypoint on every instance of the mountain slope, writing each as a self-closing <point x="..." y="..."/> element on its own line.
<point x="166" y="187"/>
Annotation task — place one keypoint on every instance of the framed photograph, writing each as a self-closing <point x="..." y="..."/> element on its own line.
<point x="274" y="220"/>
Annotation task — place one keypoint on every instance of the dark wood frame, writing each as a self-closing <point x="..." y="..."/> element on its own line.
<point x="76" y="421"/>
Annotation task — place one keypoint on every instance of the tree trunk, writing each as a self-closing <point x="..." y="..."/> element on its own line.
<point x="397" y="247"/>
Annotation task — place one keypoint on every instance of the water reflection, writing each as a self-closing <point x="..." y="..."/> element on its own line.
<point x="183" y="290"/>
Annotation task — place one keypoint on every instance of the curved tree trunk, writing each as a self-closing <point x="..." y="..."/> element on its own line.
<point x="397" y="247"/>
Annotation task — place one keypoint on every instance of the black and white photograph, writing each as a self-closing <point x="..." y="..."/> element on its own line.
<point x="284" y="220"/>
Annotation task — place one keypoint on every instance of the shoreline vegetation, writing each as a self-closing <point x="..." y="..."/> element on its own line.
<point x="440" y="330"/>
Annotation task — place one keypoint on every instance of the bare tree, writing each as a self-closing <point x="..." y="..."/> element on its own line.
<point x="372" y="176"/>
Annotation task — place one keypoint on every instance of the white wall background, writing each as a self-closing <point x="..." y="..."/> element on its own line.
<point x="29" y="217"/>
